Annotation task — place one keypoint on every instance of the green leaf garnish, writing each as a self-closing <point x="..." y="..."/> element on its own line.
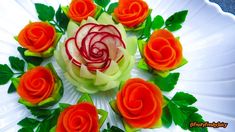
<point x="40" y="113"/>
<point x="181" y="112"/>
<point x="111" y="8"/>
<point x="129" y="128"/>
<point x="188" y="110"/>
<point x="63" y="106"/>
<point x="166" y="83"/>
<point x="45" y="13"/>
<point x="141" y="45"/>
<point x="177" y="115"/>
<point x="25" y="129"/>
<point x="28" y="123"/>
<point x="174" y="27"/>
<point x="5" y="73"/>
<point x="146" y="32"/>
<point x="113" y="105"/>
<point x="142" y="65"/>
<point x="158" y="22"/>
<point x="85" y="98"/>
<point x="174" y="22"/>
<point x="184" y="99"/>
<point x="17" y="63"/>
<point x="112" y="129"/>
<point x="166" y="117"/>
<point x="102" y="3"/>
<point x="62" y="19"/>
<point x="33" y="60"/>
<point x="48" y="123"/>
<point x="11" y="88"/>
<point x="104" y="115"/>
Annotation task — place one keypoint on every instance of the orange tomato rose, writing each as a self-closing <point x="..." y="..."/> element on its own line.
<point x="163" y="51"/>
<point x="36" y="85"/>
<point x="37" y="36"/>
<point x="81" y="9"/>
<point x="82" y="117"/>
<point x="140" y="103"/>
<point x="131" y="13"/>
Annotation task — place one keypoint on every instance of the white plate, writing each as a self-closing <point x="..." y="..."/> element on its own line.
<point x="208" y="41"/>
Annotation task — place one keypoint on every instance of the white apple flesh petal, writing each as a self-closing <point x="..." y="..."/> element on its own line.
<point x="95" y="46"/>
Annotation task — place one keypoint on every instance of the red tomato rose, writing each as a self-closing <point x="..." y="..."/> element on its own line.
<point x="37" y="36"/>
<point x="36" y="85"/>
<point x="131" y="13"/>
<point x="81" y="9"/>
<point x="140" y="103"/>
<point x="82" y="117"/>
<point x="163" y="51"/>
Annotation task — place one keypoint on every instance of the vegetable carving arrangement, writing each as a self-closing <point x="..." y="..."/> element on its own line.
<point x="95" y="44"/>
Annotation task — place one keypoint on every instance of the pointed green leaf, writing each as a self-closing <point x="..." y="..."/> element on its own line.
<point x="45" y="13"/>
<point x="48" y="123"/>
<point x="25" y="129"/>
<point x="113" y="105"/>
<point x="62" y="19"/>
<point x="129" y="128"/>
<point x="146" y="32"/>
<point x="177" y="18"/>
<point x="111" y="8"/>
<point x="184" y="99"/>
<point x="15" y="82"/>
<point x="168" y="83"/>
<point x="182" y="63"/>
<point x="177" y="115"/>
<point x="11" y="88"/>
<point x="163" y="74"/>
<point x="28" y="122"/>
<point x="33" y="60"/>
<point x="142" y="65"/>
<point x="40" y="113"/>
<point x="174" y="27"/>
<point x="102" y="3"/>
<point x="112" y="129"/>
<point x="5" y="74"/>
<point x="63" y="106"/>
<point x="188" y="110"/>
<point x="85" y="98"/>
<point x="141" y="45"/>
<point x="104" y="115"/>
<point x="158" y="22"/>
<point x="166" y="117"/>
<point x="17" y="63"/>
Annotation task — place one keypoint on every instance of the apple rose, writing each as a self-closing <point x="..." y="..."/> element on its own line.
<point x="131" y="13"/>
<point x="40" y="86"/>
<point x="39" y="38"/>
<point x="81" y="9"/>
<point x="140" y="103"/>
<point x="163" y="51"/>
<point x="95" y="46"/>
<point x="98" y="55"/>
<point x="82" y="117"/>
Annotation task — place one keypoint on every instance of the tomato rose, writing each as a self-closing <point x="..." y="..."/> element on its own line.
<point x="81" y="9"/>
<point x="39" y="86"/>
<point x="37" y="36"/>
<point x="131" y="13"/>
<point x="140" y="103"/>
<point x="82" y="117"/>
<point x="163" y="51"/>
<point x="36" y="85"/>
